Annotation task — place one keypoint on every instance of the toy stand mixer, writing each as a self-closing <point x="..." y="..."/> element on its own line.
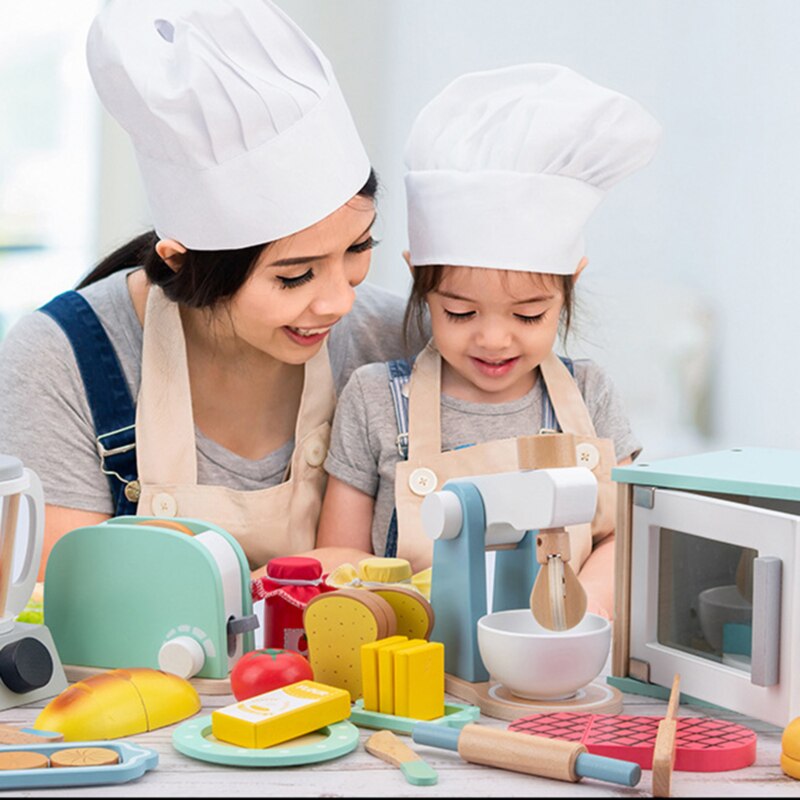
<point x="30" y="668"/>
<point x="506" y="512"/>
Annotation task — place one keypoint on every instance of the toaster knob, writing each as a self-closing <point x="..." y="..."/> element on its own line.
<point x="182" y="656"/>
<point x="25" y="665"/>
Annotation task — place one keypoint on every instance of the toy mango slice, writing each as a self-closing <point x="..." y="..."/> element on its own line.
<point x="119" y="703"/>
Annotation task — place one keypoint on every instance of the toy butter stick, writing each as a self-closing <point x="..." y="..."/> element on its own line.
<point x="534" y="755"/>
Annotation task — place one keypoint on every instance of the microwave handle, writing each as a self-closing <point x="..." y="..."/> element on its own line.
<point x="766" y="641"/>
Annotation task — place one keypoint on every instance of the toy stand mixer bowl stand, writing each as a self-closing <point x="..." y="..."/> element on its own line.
<point x="504" y="511"/>
<point x="30" y="668"/>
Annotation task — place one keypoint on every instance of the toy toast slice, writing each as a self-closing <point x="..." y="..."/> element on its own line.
<point x="336" y="625"/>
<point x="413" y="612"/>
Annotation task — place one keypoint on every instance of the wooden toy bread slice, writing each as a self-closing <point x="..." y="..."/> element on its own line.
<point x="413" y="612"/>
<point x="84" y="757"/>
<point x="336" y="625"/>
<point x="23" y="759"/>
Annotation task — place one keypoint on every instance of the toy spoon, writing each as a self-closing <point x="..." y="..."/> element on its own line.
<point x="558" y="600"/>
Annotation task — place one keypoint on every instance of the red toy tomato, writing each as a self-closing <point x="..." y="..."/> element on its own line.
<point x="264" y="670"/>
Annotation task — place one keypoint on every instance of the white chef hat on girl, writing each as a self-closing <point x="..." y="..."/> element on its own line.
<point x="506" y="166"/>
<point x="239" y="126"/>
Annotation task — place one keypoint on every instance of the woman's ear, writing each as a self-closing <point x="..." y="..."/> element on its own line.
<point x="171" y="253"/>
<point x="581" y="266"/>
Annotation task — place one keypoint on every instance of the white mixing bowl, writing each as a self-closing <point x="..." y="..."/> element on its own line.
<point x="536" y="663"/>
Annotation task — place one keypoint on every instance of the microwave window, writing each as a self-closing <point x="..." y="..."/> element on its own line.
<point x="705" y="597"/>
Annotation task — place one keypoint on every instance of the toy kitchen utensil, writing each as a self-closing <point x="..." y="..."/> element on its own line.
<point x="547" y="758"/>
<point x="386" y="746"/>
<point x="558" y="601"/>
<point x="30" y="668"/>
<point x="502" y="510"/>
<point x="123" y="594"/>
<point x="664" y="750"/>
<point x="702" y="744"/>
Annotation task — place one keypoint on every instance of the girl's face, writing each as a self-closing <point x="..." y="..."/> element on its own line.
<point x="303" y="285"/>
<point x="493" y="328"/>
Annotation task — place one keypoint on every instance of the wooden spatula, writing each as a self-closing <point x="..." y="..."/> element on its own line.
<point x="664" y="752"/>
<point x="558" y="601"/>
<point x="388" y="747"/>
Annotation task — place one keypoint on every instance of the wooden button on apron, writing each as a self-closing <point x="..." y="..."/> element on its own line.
<point x="422" y="481"/>
<point x="587" y="455"/>
<point x="164" y="505"/>
<point x="315" y="452"/>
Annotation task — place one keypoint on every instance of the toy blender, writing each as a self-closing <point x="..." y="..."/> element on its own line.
<point x="29" y="665"/>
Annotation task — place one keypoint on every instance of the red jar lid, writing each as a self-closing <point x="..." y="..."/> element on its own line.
<point x="294" y="568"/>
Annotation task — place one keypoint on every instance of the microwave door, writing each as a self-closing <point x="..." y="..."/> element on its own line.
<point x="712" y="591"/>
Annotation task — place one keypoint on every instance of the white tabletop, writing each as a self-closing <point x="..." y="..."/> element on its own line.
<point x="360" y="774"/>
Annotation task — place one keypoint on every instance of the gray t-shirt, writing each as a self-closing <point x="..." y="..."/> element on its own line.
<point x="363" y="451"/>
<point x="45" y="419"/>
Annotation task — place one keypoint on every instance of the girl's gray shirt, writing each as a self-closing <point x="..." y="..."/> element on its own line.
<point x="45" y="419"/>
<point x="363" y="451"/>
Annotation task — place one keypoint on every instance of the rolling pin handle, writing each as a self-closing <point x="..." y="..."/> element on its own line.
<point x="613" y="770"/>
<point x="436" y="735"/>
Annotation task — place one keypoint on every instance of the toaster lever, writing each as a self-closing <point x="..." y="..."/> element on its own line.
<point x="239" y="625"/>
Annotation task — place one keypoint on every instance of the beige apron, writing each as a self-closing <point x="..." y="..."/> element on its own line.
<point x="276" y="521"/>
<point x="428" y="468"/>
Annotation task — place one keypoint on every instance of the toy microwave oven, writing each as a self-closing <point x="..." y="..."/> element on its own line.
<point x="142" y="592"/>
<point x="708" y="579"/>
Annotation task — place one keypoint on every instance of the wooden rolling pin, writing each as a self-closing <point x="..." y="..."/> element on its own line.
<point x="534" y="755"/>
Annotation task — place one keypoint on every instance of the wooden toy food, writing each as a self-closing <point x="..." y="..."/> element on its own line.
<point x="262" y="671"/>
<point x="701" y="744"/>
<point x="119" y="703"/>
<point x="280" y="715"/>
<point x="93" y="763"/>
<point x="412" y="611"/>
<point x="23" y="759"/>
<point x="386" y="746"/>
<point x="337" y="624"/>
<point x="790" y="749"/>
<point x="11" y="735"/>
<point x="84" y="757"/>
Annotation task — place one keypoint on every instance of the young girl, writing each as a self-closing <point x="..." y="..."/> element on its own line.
<point x="505" y="168"/>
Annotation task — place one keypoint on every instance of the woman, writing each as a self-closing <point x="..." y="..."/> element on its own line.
<point x="228" y="323"/>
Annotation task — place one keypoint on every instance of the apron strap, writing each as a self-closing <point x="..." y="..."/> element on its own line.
<point x="399" y="376"/>
<point x="549" y="420"/>
<point x="164" y="421"/>
<point x="107" y="392"/>
<point x="568" y="403"/>
<point x="424" y="404"/>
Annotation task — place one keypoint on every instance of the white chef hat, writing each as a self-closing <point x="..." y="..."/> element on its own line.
<point x="506" y="166"/>
<point x="239" y="126"/>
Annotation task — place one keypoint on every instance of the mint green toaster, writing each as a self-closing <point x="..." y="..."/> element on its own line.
<point x="135" y="592"/>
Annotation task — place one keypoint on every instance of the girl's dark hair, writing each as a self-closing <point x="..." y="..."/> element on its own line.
<point x="427" y="279"/>
<point x="206" y="277"/>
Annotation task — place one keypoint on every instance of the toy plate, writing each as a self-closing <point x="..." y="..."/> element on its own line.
<point x="455" y="715"/>
<point x="195" y="739"/>
<point x="134" y="761"/>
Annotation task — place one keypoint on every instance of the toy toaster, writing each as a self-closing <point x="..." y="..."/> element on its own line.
<point x="144" y="592"/>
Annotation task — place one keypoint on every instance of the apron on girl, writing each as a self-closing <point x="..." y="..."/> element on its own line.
<point x="275" y="521"/>
<point x="428" y="468"/>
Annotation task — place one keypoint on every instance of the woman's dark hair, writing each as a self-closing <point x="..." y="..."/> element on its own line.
<point x="206" y="277"/>
<point x="427" y="279"/>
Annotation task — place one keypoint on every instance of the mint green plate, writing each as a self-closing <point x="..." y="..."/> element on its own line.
<point x="456" y="715"/>
<point x="194" y="739"/>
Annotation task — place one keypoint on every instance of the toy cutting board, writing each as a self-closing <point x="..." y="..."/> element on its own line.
<point x="702" y="744"/>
